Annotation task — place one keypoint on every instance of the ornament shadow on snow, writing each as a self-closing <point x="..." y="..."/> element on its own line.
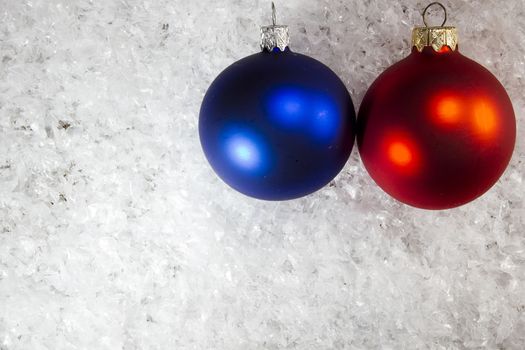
<point x="436" y="130"/>
<point x="277" y="125"/>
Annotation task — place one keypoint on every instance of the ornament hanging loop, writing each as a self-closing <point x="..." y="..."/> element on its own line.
<point x="429" y="6"/>
<point x="274" y="14"/>
<point x="274" y="36"/>
<point x="435" y="36"/>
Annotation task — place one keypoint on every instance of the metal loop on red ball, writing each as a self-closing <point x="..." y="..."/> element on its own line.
<point x="429" y="6"/>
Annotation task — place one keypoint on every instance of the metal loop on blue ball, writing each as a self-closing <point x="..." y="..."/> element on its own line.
<point x="274" y="14"/>
<point x="274" y="36"/>
<point x="429" y="6"/>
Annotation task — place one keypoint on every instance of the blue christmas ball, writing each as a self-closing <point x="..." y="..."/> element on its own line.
<point x="277" y="125"/>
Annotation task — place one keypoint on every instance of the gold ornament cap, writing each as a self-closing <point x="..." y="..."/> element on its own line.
<point x="436" y="37"/>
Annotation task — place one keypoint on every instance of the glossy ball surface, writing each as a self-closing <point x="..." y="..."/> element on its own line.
<point x="277" y="125"/>
<point x="436" y="130"/>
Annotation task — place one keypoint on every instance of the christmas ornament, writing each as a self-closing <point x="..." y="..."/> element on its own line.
<point x="436" y="130"/>
<point x="277" y="125"/>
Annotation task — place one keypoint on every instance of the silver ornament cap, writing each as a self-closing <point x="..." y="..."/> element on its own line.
<point x="274" y="36"/>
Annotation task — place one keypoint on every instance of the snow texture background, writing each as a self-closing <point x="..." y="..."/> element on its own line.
<point x="116" y="234"/>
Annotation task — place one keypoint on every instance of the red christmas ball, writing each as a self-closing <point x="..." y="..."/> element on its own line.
<point x="436" y="130"/>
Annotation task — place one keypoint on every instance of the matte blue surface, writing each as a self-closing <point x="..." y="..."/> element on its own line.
<point x="277" y="125"/>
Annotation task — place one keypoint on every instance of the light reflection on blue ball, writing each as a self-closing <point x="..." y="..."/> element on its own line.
<point x="305" y="111"/>
<point x="245" y="150"/>
<point x="287" y="107"/>
<point x="326" y="118"/>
